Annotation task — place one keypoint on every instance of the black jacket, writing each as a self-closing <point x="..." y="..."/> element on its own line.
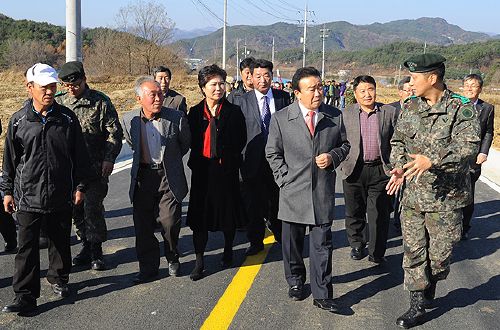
<point x="44" y="163"/>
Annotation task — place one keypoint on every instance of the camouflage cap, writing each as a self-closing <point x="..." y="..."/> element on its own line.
<point x="424" y="62"/>
<point x="71" y="72"/>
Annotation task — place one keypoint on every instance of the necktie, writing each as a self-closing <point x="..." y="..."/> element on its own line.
<point x="266" y="114"/>
<point x="310" y="121"/>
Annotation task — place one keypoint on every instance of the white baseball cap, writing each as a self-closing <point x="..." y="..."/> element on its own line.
<point x="42" y="74"/>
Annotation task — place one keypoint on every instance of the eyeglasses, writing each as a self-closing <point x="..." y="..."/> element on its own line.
<point x="472" y="86"/>
<point x="76" y="85"/>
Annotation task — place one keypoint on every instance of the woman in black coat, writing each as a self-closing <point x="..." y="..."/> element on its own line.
<point x="218" y="136"/>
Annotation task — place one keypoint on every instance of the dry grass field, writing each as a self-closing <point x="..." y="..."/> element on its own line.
<point x="120" y="90"/>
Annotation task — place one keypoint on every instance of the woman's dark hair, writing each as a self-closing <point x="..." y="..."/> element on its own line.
<point x="301" y="73"/>
<point x="363" y="79"/>
<point x="209" y="72"/>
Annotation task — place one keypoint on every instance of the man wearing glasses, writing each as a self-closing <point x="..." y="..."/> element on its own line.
<point x="473" y="85"/>
<point x="103" y="135"/>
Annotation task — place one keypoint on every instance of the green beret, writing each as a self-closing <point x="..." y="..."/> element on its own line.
<point x="424" y="62"/>
<point x="71" y="72"/>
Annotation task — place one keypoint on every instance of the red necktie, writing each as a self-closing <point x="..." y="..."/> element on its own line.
<point x="310" y="121"/>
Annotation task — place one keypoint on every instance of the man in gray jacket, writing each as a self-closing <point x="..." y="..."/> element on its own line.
<point x="159" y="138"/>
<point x="306" y="142"/>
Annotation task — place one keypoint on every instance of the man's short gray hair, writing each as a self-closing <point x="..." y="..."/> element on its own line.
<point x="141" y="81"/>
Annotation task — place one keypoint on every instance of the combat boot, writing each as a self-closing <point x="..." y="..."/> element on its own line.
<point x="429" y="294"/>
<point x="415" y="315"/>
<point x="97" y="262"/>
<point x="83" y="257"/>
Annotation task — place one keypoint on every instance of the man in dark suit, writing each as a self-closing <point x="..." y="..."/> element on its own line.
<point x="171" y="99"/>
<point x="473" y="85"/>
<point x="259" y="191"/>
<point x="369" y="126"/>
<point x="245" y="84"/>
<point x="404" y="92"/>
<point x="307" y="141"/>
<point x="159" y="138"/>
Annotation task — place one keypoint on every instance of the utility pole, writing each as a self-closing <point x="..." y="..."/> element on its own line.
<point x="304" y="38"/>
<point x="224" y="37"/>
<point x="272" y="53"/>
<point x="425" y="46"/>
<point x="237" y="59"/>
<point x="246" y="48"/>
<point x="73" y="30"/>
<point x="323" y="37"/>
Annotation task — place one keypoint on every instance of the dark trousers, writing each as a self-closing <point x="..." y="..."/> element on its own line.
<point x="320" y="257"/>
<point x="261" y="198"/>
<point x="26" y="281"/>
<point x="88" y="217"/>
<point x="365" y="197"/>
<point x="154" y="201"/>
<point x="7" y="227"/>
<point x="200" y="239"/>
<point x="469" y="209"/>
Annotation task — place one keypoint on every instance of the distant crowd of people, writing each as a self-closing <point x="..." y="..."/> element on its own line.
<point x="262" y="154"/>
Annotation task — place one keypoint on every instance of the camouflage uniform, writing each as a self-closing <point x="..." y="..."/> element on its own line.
<point x="448" y="134"/>
<point x="103" y="135"/>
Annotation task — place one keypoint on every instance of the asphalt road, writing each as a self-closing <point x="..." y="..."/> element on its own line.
<point x="373" y="296"/>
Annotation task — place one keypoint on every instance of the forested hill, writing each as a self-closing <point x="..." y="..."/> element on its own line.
<point x="342" y="36"/>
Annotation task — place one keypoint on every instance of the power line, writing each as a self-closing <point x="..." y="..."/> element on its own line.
<point x="210" y="11"/>
<point x="271" y="14"/>
<point x="202" y="12"/>
<point x="272" y="6"/>
<point x="289" y="5"/>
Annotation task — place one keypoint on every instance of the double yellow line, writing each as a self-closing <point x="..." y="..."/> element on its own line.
<point x="228" y="305"/>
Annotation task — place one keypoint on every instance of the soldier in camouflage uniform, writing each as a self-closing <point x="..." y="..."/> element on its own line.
<point x="436" y="135"/>
<point x="103" y="137"/>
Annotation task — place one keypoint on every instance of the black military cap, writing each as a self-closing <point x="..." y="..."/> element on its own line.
<point x="71" y="72"/>
<point x="424" y="62"/>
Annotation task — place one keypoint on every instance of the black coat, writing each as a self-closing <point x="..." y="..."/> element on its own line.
<point x="214" y="202"/>
<point x="44" y="163"/>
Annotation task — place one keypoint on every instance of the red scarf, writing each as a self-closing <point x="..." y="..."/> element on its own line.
<point x="209" y="141"/>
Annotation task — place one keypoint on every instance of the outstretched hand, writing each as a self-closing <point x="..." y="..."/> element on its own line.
<point x="395" y="182"/>
<point x="417" y="166"/>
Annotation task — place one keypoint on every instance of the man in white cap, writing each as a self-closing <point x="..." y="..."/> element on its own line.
<point x="45" y="168"/>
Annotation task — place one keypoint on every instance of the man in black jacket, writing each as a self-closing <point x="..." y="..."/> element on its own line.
<point x="259" y="191"/>
<point x="245" y="84"/>
<point x="44" y="160"/>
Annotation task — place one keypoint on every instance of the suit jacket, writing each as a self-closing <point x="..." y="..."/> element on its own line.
<point x="253" y="154"/>
<point x="175" y="142"/>
<point x="175" y="100"/>
<point x="396" y="105"/>
<point x="387" y="118"/>
<point x="307" y="193"/>
<point x="486" y="114"/>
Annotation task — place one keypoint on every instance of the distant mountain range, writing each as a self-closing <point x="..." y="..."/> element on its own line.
<point x="342" y="36"/>
<point x="179" y="34"/>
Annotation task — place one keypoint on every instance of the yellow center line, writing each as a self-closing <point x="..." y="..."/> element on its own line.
<point x="228" y="305"/>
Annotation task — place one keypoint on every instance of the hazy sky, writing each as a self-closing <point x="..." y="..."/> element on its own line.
<point x="471" y="15"/>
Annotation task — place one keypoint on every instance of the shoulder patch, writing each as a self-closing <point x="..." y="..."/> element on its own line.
<point x="462" y="98"/>
<point x="467" y="113"/>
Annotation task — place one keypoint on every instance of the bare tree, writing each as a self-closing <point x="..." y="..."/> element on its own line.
<point x="22" y="54"/>
<point x="148" y="20"/>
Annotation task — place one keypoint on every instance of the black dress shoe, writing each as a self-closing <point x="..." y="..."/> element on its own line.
<point x="358" y="253"/>
<point x="296" y="292"/>
<point x="326" y="304"/>
<point x="141" y="278"/>
<point x="377" y="260"/>
<point x="98" y="264"/>
<point x="61" y="289"/>
<point x="21" y="305"/>
<point x="11" y="247"/>
<point x="253" y="249"/>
